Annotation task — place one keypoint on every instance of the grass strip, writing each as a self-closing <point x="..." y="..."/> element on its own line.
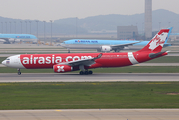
<point x="92" y="95"/>
<point x="129" y="69"/>
<point x="2" y="58"/>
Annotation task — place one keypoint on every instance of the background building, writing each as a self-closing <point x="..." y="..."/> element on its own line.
<point x="127" y="32"/>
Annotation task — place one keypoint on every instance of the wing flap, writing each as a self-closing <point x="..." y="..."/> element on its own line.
<point x="86" y="62"/>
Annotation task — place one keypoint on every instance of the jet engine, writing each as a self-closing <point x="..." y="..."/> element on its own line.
<point x="106" y="49"/>
<point x="62" y="68"/>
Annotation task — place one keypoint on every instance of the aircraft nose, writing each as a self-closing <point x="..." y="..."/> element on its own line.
<point x="4" y="62"/>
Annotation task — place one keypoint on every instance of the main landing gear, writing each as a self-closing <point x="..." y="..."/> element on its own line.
<point x="86" y="72"/>
<point x="68" y="50"/>
<point x="83" y="71"/>
<point x="19" y="72"/>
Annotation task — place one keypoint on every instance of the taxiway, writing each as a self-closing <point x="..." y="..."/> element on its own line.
<point x="96" y="77"/>
<point x="91" y="114"/>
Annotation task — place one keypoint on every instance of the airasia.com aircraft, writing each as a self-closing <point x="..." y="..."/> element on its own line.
<point x="61" y="63"/>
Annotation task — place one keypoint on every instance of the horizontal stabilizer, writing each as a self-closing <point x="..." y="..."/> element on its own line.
<point x="154" y="55"/>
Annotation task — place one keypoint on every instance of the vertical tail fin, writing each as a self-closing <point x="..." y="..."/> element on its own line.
<point x="166" y="44"/>
<point x="156" y="44"/>
<point x="170" y="30"/>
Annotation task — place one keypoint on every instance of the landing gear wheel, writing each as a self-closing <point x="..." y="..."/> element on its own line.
<point x="19" y="72"/>
<point x="86" y="72"/>
<point x="68" y="50"/>
<point x="90" y="72"/>
<point x="81" y="72"/>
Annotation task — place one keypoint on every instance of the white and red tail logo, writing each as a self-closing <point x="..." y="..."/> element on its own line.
<point x="156" y="44"/>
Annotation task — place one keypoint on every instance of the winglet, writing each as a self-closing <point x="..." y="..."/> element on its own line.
<point x="99" y="56"/>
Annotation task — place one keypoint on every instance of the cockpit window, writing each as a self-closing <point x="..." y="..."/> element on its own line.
<point x="7" y="59"/>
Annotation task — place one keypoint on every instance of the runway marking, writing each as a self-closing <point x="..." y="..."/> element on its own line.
<point x="58" y="110"/>
<point x="4" y="84"/>
<point x="118" y="80"/>
<point x="136" y="65"/>
<point x="158" y="83"/>
<point x="59" y="84"/>
<point x="30" y="81"/>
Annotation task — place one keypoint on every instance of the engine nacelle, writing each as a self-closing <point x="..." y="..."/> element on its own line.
<point x="106" y="49"/>
<point x="62" y="68"/>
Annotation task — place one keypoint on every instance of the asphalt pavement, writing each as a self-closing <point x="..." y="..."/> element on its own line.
<point x="91" y="114"/>
<point x="96" y="77"/>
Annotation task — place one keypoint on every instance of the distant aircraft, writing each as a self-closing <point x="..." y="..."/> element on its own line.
<point x="100" y="45"/>
<point x="61" y="63"/>
<point x="11" y="38"/>
<point x="107" y="45"/>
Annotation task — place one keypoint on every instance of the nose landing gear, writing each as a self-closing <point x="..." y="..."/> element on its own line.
<point x="19" y="72"/>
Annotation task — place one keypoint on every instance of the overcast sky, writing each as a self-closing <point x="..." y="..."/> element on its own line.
<point x="58" y="9"/>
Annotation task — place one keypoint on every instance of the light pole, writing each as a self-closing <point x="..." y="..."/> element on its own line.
<point x="51" y="32"/>
<point x="142" y="27"/>
<point x="159" y="25"/>
<point x="15" y="27"/>
<point x="136" y="25"/>
<point x="76" y="26"/>
<point x="44" y="30"/>
<point x="30" y="26"/>
<point x="178" y="27"/>
<point x="21" y="26"/>
<point x="169" y="24"/>
<point x="2" y="27"/>
<point x="37" y="28"/>
<point x="6" y="27"/>
<point x="10" y="27"/>
<point x="26" y="26"/>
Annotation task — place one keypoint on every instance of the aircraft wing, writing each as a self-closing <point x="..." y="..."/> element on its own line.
<point x="6" y="39"/>
<point x="86" y="62"/>
<point x="123" y="45"/>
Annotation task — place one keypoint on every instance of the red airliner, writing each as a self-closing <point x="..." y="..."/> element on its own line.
<point x="61" y="63"/>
